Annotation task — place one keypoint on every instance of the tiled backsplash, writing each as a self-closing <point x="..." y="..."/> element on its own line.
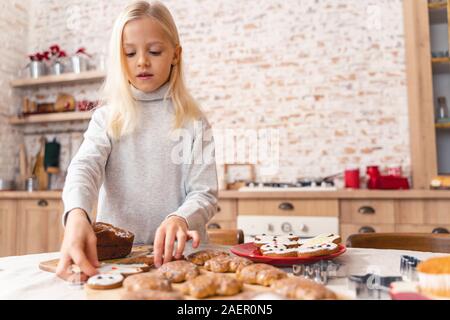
<point x="328" y="75"/>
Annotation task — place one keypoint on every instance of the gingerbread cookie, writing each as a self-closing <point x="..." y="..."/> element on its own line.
<point x="200" y="257"/>
<point x="210" y="285"/>
<point x="317" y="250"/>
<point x="105" y="281"/>
<point x="302" y="289"/>
<point x="147" y="281"/>
<point x="123" y="269"/>
<point x="289" y="240"/>
<point x="260" y="274"/>
<point x="278" y="251"/>
<point x="151" y="295"/>
<point x="179" y="271"/>
<point x="224" y="264"/>
<point x="321" y="239"/>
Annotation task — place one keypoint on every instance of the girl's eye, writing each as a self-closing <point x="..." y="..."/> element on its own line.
<point x="130" y="55"/>
<point x="155" y="53"/>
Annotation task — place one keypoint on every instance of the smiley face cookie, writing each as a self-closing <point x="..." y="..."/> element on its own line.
<point x="105" y="281"/>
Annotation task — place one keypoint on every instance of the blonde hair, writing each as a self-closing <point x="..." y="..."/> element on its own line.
<point x="116" y="93"/>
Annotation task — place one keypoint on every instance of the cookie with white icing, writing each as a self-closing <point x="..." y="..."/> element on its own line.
<point x="123" y="269"/>
<point x="321" y="239"/>
<point x="317" y="250"/>
<point x="280" y="252"/>
<point x="105" y="281"/>
<point x="289" y="240"/>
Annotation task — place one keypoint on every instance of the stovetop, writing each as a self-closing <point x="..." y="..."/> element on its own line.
<point x="300" y="185"/>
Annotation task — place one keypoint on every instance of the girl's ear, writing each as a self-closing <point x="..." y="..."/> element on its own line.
<point x="177" y="55"/>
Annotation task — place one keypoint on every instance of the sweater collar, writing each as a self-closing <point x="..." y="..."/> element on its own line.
<point x="156" y="95"/>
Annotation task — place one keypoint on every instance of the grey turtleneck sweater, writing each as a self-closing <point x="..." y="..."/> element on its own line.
<point x="148" y="175"/>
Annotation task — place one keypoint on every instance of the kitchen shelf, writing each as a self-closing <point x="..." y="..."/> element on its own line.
<point x="443" y="125"/>
<point x="66" y="78"/>
<point x="51" y="117"/>
<point x="441" y="65"/>
<point x="437" y="5"/>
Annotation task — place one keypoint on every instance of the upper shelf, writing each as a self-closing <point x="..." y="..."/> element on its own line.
<point x="438" y="12"/>
<point x="66" y="78"/>
<point x="437" y="5"/>
<point x="441" y="65"/>
<point x="51" y="117"/>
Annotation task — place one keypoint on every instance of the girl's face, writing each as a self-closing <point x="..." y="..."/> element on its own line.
<point x="149" y="54"/>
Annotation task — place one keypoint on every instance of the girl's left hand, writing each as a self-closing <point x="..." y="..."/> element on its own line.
<point x="173" y="228"/>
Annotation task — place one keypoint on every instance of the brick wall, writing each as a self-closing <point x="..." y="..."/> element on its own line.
<point x="327" y="75"/>
<point x="13" y="41"/>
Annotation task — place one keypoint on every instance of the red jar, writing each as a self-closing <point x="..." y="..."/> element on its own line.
<point x="352" y="179"/>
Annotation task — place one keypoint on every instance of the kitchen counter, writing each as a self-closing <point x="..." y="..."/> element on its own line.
<point x="229" y="194"/>
<point x="21" y="278"/>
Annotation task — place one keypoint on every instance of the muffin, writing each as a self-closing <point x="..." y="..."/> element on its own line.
<point x="434" y="276"/>
<point x="112" y="242"/>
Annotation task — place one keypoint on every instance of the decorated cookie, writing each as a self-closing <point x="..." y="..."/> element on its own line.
<point x="321" y="239"/>
<point x="147" y="281"/>
<point x="105" y="281"/>
<point x="279" y="252"/>
<point x="123" y="269"/>
<point x="179" y="271"/>
<point x="317" y="250"/>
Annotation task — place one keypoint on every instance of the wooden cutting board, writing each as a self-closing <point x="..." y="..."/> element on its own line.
<point x="50" y="266"/>
<point x="249" y="291"/>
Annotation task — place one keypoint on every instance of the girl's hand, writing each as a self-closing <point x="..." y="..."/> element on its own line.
<point x="173" y="228"/>
<point x="79" y="247"/>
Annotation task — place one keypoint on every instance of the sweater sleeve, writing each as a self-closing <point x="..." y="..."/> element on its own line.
<point x="86" y="170"/>
<point x="201" y="185"/>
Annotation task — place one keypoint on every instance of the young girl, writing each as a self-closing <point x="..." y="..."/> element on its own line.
<point x="148" y="153"/>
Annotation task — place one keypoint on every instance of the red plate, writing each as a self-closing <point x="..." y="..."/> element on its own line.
<point x="250" y="251"/>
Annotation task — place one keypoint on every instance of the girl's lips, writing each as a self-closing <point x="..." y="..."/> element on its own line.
<point x="145" y="77"/>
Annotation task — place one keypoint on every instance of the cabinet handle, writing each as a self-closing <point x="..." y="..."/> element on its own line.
<point x="366" y="210"/>
<point x="43" y="203"/>
<point x="214" y="226"/>
<point x="440" y="230"/>
<point x="366" y="230"/>
<point x="286" y="206"/>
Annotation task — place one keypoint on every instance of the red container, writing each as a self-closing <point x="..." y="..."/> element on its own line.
<point x="373" y="173"/>
<point x="352" y="179"/>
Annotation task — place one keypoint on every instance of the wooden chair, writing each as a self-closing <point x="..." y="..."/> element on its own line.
<point x="401" y="241"/>
<point x="229" y="237"/>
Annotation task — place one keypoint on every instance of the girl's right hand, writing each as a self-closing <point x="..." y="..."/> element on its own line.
<point x="79" y="247"/>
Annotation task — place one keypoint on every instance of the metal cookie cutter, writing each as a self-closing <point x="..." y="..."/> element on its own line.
<point x="408" y="268"/>
<point x="372" y="286"/>
<point x="319" y="272"/>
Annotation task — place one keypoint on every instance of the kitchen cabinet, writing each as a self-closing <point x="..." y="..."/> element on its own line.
<point x="367" y="211"/>
<point x="8" y="222"/>
<point x="39" y="227"/>
<point x="347" y="229"/>
<point x="226" y="215"/>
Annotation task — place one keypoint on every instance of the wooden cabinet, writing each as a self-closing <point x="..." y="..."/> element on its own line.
<point x="39" y="227"/>
<point x="8" y="222"/>
<point x="347" y="229"/>
<point x="288" y="207"/>
<point x="226" y="216"/>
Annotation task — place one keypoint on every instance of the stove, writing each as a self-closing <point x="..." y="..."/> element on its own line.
<point x="300" y="185"/>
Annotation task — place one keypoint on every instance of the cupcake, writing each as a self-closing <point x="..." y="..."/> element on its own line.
<point x="434" y="277"/>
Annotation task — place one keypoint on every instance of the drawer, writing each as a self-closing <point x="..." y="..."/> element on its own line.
<point x="348" y="229"/>
<point x="419" y="228"/>
<point x="288" y="207"/>
<point x="368" y="211"/>
<point x="429" y="212"/>
<point x="226" y="209"/>
<point x="222" y="224"/>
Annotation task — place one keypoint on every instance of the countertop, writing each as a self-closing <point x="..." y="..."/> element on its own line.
<point x="229" y="194"/>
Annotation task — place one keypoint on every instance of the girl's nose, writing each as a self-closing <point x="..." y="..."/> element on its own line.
<point x="143" y="61"/>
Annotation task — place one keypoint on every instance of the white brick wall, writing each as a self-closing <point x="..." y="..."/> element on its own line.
<point x="328" y="74"/>
<point x="13" y="42"/>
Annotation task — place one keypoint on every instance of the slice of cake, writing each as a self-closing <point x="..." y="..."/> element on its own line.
<point x="434" y="276"/>
<point x="112" y="242"/>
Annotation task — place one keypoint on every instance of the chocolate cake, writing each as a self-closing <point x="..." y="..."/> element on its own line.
<point x="112" y="242"/>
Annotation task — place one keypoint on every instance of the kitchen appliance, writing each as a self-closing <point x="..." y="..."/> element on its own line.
<point x="6" y="185"/>
<point x="379" y="182"/>
<point x="305" y="227"/>
<point x="304" y="184"/>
